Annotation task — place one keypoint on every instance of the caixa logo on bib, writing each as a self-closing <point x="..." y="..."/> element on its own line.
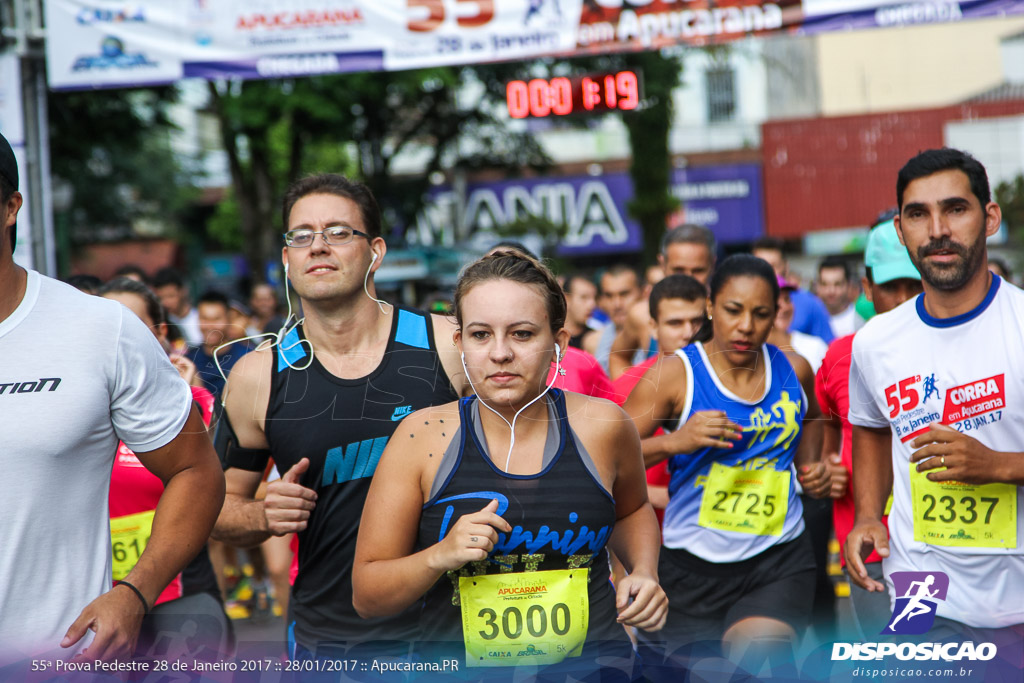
<point x="917" y="596"/>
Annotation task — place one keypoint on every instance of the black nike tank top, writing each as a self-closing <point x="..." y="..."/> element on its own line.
<point x="561" y="519"/>
<point x="342" y="426"/>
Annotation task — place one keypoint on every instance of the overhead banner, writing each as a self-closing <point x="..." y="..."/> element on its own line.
<point x="109" y="43"/>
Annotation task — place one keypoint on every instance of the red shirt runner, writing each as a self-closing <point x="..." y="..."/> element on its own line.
<point x="832" y="386"/>
<point x="657" y="475"/>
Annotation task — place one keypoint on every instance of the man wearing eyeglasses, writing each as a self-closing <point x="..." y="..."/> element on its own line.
<point x="323" y="403"/>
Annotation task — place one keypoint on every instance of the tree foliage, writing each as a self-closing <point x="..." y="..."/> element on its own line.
<point x="651" y="164"/>
<point x="1010" y="197"/>
<point x="278" y="130"/>
<point x="112" y="148"/>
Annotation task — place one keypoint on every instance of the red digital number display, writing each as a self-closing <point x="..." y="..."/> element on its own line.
<point x="620" y="91"/>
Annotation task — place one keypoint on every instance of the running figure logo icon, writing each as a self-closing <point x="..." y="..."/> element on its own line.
<point x="917" y="594"/>
<point x="930" y="389"/>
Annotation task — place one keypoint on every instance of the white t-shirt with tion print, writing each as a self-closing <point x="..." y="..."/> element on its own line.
<point x="909" y="370"/>
<point x="77" y="373"/>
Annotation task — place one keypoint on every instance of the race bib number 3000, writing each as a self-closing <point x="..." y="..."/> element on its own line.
<point x="952" y="513"/>
<point x="524" y="618"/>
<point x="745" y="501"/>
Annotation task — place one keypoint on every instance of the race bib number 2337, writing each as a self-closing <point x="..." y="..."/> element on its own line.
<point x="952" y="513"/>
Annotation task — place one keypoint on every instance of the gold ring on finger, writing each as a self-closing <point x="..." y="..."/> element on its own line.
<point x="942" y="460"/>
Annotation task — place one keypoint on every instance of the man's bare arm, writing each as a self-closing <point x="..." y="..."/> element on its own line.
<point x="590" y="341"/>
<point x="872" y="465"/>
<point x="192" y="497"/>
<point x="872" y="462"/>
<point x="242" y="521"/>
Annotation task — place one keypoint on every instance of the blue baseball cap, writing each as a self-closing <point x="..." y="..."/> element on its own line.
<point x="886" y="257"/>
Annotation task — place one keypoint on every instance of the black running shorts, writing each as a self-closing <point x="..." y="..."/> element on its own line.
<point x="706" y="598"/>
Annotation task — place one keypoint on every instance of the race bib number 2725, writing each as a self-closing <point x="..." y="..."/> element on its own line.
<point x="745" y="501"/>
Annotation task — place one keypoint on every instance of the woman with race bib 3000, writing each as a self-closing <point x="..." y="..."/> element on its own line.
<point x="493" y="512"/>
<point x="742" y="431"/>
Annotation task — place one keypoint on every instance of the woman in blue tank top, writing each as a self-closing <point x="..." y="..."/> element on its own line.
<point x="494" y="512"/>
<point x="742" y="429"/>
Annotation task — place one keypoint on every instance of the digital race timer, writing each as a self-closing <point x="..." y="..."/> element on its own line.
<point x="562" y="96"/>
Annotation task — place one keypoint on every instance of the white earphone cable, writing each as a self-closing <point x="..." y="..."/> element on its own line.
<point x="275" y="339"/>
<point x="512" y="424"/>
<point x="366" y="279"/>
<point x="279" y="336"/>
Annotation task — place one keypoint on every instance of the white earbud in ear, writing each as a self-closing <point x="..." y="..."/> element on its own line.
<point x="558" y="350"/>
<point x="374" y="258"/>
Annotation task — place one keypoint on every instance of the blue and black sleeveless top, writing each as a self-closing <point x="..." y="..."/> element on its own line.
<point x="561" y="518"/>
<point x="342" y="426"/>
<point x="772" y="426"/>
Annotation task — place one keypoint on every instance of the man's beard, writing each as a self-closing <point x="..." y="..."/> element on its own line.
<point x="950" y="276"/>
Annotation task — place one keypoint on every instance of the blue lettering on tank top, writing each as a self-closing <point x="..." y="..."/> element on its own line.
<point x="352" y="461"/>
<point x="562" y="542"/>
<point x="486" y="496"/>
<point x="568" y="542"/>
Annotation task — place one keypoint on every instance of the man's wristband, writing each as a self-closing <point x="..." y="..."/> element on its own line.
<point x="138" y="594"/>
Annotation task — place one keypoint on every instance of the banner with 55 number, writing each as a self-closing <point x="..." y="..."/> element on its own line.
<point x="111" y="43"/>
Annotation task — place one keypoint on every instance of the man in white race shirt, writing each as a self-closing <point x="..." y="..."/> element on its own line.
<point x="937" y="407"/>
<point x="65" y="400"/>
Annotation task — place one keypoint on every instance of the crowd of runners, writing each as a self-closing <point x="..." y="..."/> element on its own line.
<point x="610" y="478"/>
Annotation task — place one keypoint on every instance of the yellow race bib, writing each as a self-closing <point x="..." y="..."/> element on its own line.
<point x="745" y="501"/>
<point x="524" y="618"/>
<point x="952" y="513"/>
<point x="128" y="538"/>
